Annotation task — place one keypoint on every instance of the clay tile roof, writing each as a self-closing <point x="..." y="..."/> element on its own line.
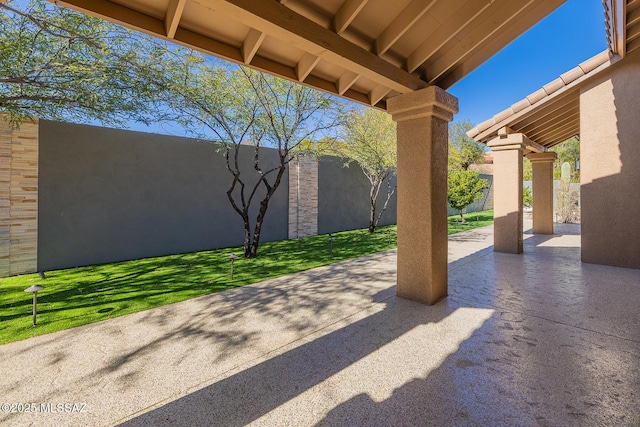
<point x="557" y="88"/>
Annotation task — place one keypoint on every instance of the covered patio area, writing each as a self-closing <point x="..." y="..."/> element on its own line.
<point x="541" y="339"/>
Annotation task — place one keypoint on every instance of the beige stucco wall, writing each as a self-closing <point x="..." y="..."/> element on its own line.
<point x="542" y="168"/>
<point x="507" y="190"/>
<point x="18" y="198"/>
<point x="610" y="165"/>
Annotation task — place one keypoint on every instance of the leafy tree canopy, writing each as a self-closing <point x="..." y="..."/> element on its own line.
<point x="369" y="140"/>
<point x="463" y="151"/>
<point x="242" y="107"/>
<point x="58" y="64"/>
<point x="463" y="188"/>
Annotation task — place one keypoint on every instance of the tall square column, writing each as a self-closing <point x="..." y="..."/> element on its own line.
<point x="542" y="165"/>
<point x="507" y="151"/>
<point x="422" y="117"/>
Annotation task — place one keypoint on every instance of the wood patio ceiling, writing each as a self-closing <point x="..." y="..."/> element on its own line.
<point x="364" y="50"/>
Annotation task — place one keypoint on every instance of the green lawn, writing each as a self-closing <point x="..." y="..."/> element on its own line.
<point x="475" y="219"/>
<point x="83" y="295"/>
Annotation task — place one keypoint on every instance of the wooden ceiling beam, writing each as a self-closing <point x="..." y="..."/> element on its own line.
<point x="346" y="14"/>
<point x="534" y="146"/>
<point x="346" y="81"/>
<point x="155" y="27"/>
<point x="273" y="19"/>
<point x="559" y="135"/>
<point x="377" y="94"/>
<point x="559" y="124"/>
<point x="562" y="102"/>
<point x="282" y="23"/>
<point x="459" y="21"/>
<point x="251" y="44"/>
<point x="403" y="22"/>
<point x="538" y="11"/>
<point x="633" y="17"/>
<point x="633" y="32"/>
<point x="173" y="15"/>
<point x="549" y="119"/>
<point x="492" y="22"/>
<point x="306" y="65"/>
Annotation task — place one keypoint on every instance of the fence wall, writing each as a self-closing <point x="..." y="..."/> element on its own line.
<point x="109" y="195"/>
<point x="343" y="197"/>
<point x="79" y="195"/>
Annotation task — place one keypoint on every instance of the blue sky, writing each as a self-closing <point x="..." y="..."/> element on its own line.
<point x="571" y="34"/>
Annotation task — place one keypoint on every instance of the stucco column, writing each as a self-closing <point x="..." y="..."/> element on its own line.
<point x="542" y="165"/>
<point x="422" y="117"/>
<point x="507" y="151"/>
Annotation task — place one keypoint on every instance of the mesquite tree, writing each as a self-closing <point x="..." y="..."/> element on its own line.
<point x="243" y="108"/>
<point x="62" y="65"/>
<point x="369" y="139"/>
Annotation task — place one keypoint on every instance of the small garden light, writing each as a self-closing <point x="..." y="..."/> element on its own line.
<point x="34" y="290"/>
<point x="330" y="245"/>
<point x="232" y="257"/>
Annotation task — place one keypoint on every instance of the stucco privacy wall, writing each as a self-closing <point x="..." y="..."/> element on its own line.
<point x="343" y="197"/>
<point x="108" y="195"/>
<point x="610" y="165"/>
<point x="105" y="195"/>
<point x="18" y="198"/>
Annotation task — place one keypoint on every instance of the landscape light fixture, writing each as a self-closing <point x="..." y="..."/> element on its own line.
<point x="330" y="245"/>
<point x="232" y="257"/>
<point x="34" y="290"/>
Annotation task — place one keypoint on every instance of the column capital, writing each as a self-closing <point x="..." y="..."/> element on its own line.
<point x="430" y="101"/>
<point x="513" y="141"/>
<point x="546" y="157"/>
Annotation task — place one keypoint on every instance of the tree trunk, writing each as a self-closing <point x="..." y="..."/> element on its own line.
<point x="373" y="197"/>
<point x="386" y="202"/>
<point x="247" y="236"/>
<point x="461" y="216"/>
<point x="264" y="205"/>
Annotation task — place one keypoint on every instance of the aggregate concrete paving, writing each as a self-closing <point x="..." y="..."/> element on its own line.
<point x="537" y="339"/>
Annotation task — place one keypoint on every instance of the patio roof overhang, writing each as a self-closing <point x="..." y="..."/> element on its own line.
<point x="363" y="50"/>
<point x="551" y="115"/>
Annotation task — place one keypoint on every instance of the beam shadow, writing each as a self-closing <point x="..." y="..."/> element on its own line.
<point x="245" y="396"/>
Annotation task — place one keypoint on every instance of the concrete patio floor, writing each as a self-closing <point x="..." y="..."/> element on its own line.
<point x="537" y="339"/>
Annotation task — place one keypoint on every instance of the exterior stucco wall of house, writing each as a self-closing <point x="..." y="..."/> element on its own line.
<point x="610" y="165"/>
